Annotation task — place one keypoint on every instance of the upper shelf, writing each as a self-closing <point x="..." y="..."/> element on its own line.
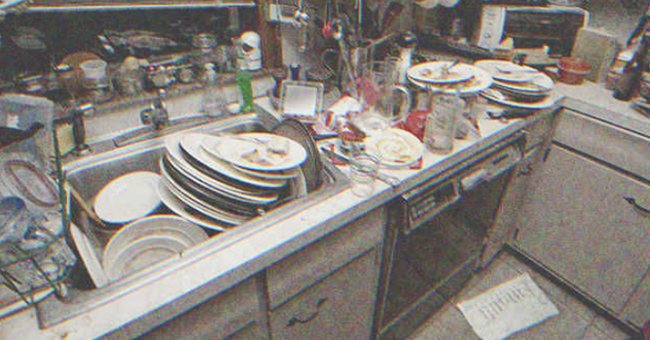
<point x="103" y="5"/>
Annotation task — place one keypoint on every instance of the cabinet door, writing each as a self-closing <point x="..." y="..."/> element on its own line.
<point x="637" y="309"/>
<point x="577" y="222"/>
<point x="232" y="313"/>
<point x="339" y="307"/>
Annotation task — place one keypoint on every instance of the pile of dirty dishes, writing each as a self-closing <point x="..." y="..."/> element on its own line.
<point x="449" y="77"/>
<point x="516" y="85"/>
<point x="222" y="181"/>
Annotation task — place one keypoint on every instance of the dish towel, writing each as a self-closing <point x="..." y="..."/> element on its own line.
<point x="507" y="308"/>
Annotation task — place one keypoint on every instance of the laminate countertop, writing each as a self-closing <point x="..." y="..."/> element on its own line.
<point x="223" y="266"/>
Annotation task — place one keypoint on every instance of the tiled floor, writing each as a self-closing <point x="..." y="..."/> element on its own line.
<point x="575" y="321"/>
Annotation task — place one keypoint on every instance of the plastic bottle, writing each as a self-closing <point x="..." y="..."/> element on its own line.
<point x="246" y="88"/>
<point x="213" y="100"/>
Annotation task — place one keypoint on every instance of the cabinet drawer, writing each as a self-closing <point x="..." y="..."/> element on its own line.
<point x="339" y="307"/>
<point x="616" y="146"/>
<point x="302" y="269"/>
<point x="216" y="318"/>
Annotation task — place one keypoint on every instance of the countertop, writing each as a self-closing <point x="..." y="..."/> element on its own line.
<point x="225" y="265"/>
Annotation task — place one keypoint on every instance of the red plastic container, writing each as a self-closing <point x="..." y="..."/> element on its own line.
<point x="573" y="70"/>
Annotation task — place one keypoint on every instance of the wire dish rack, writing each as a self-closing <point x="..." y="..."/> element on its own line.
<point x="39" y="262"/>
<point x="35" y="259"/>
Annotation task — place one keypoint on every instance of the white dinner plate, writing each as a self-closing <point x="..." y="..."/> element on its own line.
<point x="498" y="97"/>
<point x="88" y="256"/>
<point x="278" y="175"/>
<point x="202" y="207"/>
<point x="217" y="189"/>
<point x="541" y="83"/>
<point x="395" y="147"/>
<point x="168" y="226"/>
<point x="192" y="145"/>
<point x="507" y="71"/>
<point x="481" y="81"/>
<point x="128" y="197"/>
<point x="142" y="253"/>
<point x="180" y="208"/>
<point x="257" y="151"/>
<point x="432" y="72"/>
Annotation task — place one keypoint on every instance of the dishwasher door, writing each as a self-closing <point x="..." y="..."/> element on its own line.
<point x="438" y="234"/>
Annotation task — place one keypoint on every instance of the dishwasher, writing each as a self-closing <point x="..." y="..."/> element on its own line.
<point x="437" y="234"/>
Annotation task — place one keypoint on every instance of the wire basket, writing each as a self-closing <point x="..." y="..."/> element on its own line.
<point x="40" y="259"/>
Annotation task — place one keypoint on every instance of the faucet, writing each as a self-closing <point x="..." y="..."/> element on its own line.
<point x="156" y="114"/>
<point x="76" y="116"/>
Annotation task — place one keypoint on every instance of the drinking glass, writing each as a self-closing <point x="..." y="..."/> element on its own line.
<point x="363" y="171"/>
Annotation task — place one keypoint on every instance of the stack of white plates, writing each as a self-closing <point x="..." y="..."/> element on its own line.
<point x="517" y="86"/>
<point x="147" y="241"/>
<point x="439" y="77"/>
<point x="220" y="182"/>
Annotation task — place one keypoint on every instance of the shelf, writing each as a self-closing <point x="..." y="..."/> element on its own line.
<point x="122" y="5"/>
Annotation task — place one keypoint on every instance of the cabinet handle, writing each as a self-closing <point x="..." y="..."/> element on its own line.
<point x="295" y="320"/>
<point x="643" y="211"/>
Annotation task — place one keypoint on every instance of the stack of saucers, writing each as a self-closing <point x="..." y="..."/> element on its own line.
<point x="516" y="85"/>
<point x="222" y="181"/>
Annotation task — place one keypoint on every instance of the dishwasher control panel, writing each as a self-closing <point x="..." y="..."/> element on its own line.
<point x="425" y="201"/>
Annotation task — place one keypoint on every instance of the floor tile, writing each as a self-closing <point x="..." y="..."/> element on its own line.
<point x="556" y="293"/>
<point x="575" y="321"/>
<point x="447" y="323"/>
<point x="608" y="329"/>
<point x="496" y="273"/>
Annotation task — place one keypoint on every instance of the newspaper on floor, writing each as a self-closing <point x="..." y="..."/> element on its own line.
<point x="507" y="308"/>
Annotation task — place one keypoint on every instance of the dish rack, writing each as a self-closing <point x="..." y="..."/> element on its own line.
<point x="35" y="259"/>
<point x="29" y="272"/>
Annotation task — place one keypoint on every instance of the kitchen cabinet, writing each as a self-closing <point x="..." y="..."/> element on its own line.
<point x="637" y="309"/>
<point x="339" y="307"/>
<point x="577" y="222"/>
<point x="236" y="313"/>
<point x="328" y="289"/>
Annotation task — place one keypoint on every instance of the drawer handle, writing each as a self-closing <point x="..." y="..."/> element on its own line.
<point x="295" y="320"/>
<point x="643" y="211"/>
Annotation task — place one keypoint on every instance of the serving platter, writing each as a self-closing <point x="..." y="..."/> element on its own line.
<point x="257" y="151"/>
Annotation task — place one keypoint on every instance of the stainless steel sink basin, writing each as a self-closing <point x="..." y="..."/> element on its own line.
<point x="89" y="174"/>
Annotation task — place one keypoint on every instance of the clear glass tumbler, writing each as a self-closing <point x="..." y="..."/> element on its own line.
<point x="363" y="171"/>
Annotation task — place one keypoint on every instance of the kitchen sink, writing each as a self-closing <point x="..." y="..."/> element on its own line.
<point x="87" y="175"/>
